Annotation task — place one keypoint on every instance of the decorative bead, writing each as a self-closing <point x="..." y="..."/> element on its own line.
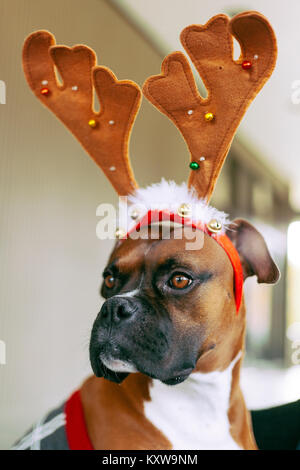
<point x="112" y="168"/>
<point x="45" y="82"/>
<point x="246" y="64"/>
<point x="190" y="111"/>
<point x="45" y="91"/>
<point x="111" y="122"/>
<point x="209" y="117"/>
<point x="92" y="123"/>
<point x="74" y="88"/>
<point x="120" y="233"/>
<point x="134" y="214"/>
<point x="214" y="226"/>
<point x="184" y="210"/>
<point x="194" y="166"/>
<point x="202" y="159"/>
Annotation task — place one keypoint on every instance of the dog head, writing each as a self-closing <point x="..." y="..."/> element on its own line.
<point x="169" y="309"/>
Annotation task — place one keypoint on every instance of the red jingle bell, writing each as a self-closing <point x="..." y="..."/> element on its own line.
<point x="45" y="91"/>
<point x="246" y="64"/>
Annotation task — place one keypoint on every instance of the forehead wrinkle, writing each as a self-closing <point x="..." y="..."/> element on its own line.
<point x="130" y="262"/>
<point x="214" y="257"/>
<point x="127" y="262"/>
<point x="133" y="259"/>
<point x="151" y="261"/>
<point x="172" y="260"/>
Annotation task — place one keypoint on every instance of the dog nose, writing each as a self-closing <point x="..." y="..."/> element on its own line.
<point x="117" y="310"/>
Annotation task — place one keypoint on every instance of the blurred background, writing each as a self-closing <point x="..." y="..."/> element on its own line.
<point x="51" y="260"/>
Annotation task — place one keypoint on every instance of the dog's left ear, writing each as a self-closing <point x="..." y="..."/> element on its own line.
<point x="253" y="251"/>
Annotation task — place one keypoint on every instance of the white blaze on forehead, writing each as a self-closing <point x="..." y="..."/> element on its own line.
<point x="131" y="293"/>
<point x="167" y="195"/>
<point x="194" y="414"/>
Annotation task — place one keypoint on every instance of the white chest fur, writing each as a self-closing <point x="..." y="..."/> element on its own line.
<point x="194" y="414"/>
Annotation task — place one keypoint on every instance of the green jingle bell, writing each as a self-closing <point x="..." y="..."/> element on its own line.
<point x="194" y="166"/>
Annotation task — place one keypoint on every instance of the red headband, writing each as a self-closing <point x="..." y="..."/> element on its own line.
<point x="155" y="216"/>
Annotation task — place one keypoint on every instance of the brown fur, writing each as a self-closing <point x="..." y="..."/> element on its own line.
<point x="114" y="413"/>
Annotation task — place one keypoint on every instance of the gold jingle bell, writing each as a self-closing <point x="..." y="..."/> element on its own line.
<point x="134" y="214"/>
<point x="214" y="226"/>
<point x="92" y="123"/>
<point x="120" y="233"/>
<point x="209" y="117"/>
<point x="184" y="210"/>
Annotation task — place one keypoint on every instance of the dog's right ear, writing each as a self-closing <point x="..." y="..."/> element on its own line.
<point x="253" y="251"/>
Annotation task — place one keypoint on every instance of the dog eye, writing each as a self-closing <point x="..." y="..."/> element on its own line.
<point x="179" y="281"/>
<point x="109" y="281"/>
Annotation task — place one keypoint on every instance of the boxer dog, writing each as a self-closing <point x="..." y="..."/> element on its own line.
<point x="167" y="345"/>
<point x="169" y="320"/>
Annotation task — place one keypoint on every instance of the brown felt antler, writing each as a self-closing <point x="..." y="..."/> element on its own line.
<point x="208" y="125"/>
<point x="103" y="135"/>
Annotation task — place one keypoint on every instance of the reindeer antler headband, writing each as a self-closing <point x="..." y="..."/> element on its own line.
<point x="103" y="135"/>
<point x="207" y="125"/>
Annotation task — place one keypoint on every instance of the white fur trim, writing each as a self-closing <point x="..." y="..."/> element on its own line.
<point x="167" y="195"/>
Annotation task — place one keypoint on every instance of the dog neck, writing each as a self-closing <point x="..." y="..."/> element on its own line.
<point x="194" y="414"/>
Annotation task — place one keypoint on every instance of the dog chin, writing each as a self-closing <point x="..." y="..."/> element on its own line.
<point x="117" y="370"/>
<point x="117" y="365"/>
